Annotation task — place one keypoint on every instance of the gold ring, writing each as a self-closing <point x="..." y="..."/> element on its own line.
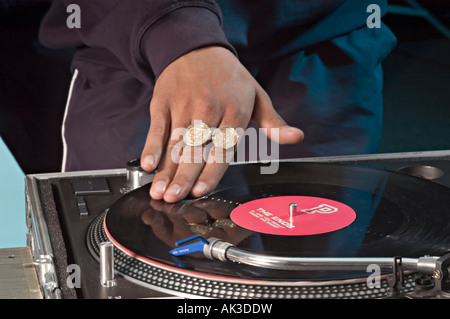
<point x="225" y="137"/>
<point x="197" y="134"/>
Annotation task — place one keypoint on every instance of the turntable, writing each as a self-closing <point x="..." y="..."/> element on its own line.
<point x="375" y="226"/>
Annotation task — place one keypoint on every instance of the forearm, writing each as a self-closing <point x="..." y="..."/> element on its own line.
<point x="140" y="33"/>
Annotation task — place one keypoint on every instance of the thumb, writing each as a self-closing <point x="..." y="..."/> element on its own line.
<point x="265" y="116"/>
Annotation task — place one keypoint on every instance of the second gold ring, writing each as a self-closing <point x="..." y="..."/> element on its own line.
<point x="225" y="137"/>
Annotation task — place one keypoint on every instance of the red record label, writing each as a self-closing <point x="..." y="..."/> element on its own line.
<point x="314" y="215"/>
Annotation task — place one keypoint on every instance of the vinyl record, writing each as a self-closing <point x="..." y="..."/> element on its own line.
<point x="384" y="214"/>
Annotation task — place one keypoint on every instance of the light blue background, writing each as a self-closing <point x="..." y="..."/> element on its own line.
<point x="12" y="201"/>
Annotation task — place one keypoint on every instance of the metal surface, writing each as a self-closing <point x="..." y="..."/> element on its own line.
<point x="39" y="242"/>
<point x="217" y="249"/>
<point x="107" y="276"/>
<point x="136" y="176"/>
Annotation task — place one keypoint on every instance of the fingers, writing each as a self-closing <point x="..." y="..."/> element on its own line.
<point x="157" y="136"/>
<point x="218" y="159"/>
<point x="198" y="170"/>
<point x="164" y="185"/>
<point x="180" y="165"/>
<point x="210" y="176"/>
<point x="185" y="175"/>
<point x="177" y="170"/>
<point x="265" y="116"/>
<point x="166" y="170"/>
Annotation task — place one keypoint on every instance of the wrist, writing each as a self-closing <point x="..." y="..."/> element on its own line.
<point x="180" y="32"/>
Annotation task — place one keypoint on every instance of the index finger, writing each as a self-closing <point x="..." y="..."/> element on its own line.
<point x="157" y="136"/>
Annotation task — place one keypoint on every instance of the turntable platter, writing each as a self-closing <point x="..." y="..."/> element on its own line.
<point x="380" y="216"/>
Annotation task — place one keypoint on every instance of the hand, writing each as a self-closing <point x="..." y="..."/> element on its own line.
<point x="212" y="86"/>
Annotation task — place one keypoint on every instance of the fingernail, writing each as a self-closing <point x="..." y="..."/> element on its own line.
<point x="199" y="189"/>
<point x="149" y="160"/>
<point x="159" y="187"/>
<point x="173" y="190"/>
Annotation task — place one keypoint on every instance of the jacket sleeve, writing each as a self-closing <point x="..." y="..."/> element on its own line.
<point x="140" y="33"/>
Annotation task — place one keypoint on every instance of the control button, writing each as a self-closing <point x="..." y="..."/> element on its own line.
<point x="90" y="186"/>
<point x="82" y="207"/>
